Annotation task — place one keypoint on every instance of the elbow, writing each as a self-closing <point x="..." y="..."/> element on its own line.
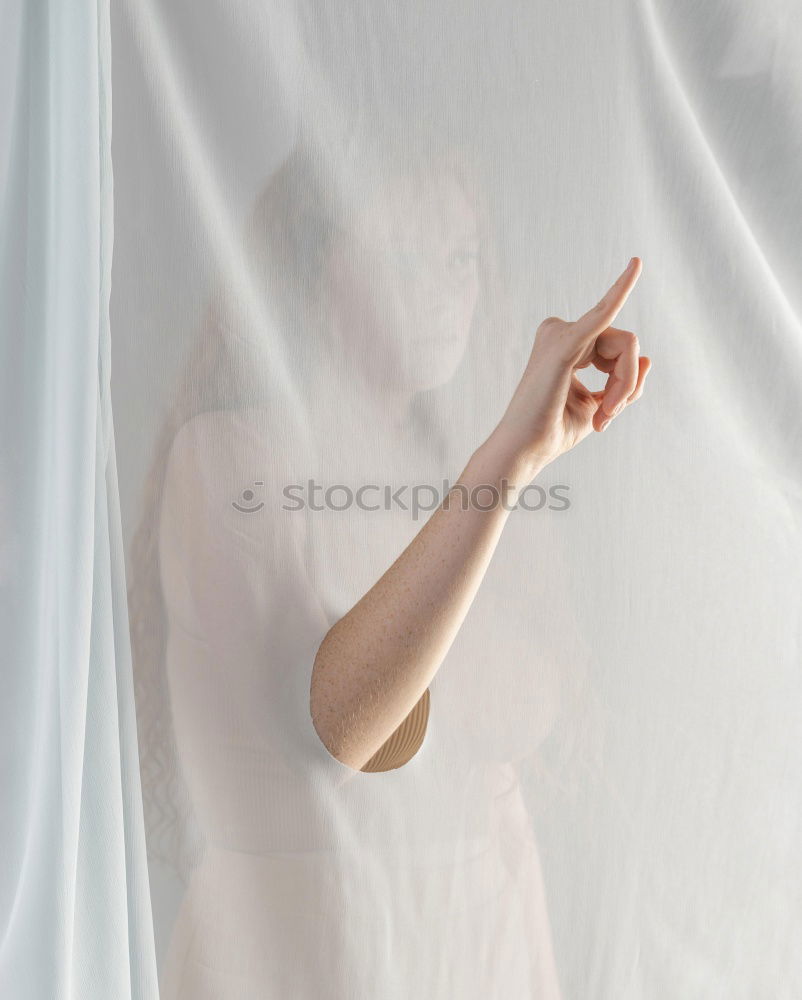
<point x="323" y="711"/>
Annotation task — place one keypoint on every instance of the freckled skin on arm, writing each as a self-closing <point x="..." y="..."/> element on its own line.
<point x="376" y="662"/>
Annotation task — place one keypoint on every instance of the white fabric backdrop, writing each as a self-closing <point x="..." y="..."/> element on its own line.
<point x="607" y="800"/>
<point x="75" y="912"/>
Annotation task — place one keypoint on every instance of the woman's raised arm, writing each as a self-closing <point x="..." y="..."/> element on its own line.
<point x="376" y="662"/>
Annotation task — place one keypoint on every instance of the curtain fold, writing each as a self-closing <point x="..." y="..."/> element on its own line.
<point x="74" y="897"/>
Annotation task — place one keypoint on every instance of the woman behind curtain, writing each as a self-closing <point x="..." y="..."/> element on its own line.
<point x="310" y="875"/>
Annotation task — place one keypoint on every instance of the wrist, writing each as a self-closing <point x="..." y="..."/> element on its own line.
<point x="503" y="458"/>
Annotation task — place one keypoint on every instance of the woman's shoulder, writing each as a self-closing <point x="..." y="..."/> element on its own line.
<point x="224" y="433"/>
<point x="224" y="466"/>
<point x="254" y="442"/>
<point x="228" y="553"/>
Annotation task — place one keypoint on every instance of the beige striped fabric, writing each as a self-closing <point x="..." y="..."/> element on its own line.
<point x="405" y="741"/>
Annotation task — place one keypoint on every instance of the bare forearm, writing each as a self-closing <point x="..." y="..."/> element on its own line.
<point x="376" y="662"/>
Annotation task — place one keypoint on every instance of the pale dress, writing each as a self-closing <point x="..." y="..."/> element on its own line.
<point x="318" y="880"/>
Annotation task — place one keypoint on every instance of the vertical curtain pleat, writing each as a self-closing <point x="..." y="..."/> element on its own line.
<point x="74" y="900"/>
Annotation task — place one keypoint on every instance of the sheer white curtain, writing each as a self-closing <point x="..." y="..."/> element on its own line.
<point x="606" y="803"/>
<point x="75" y="916"/>
<point x="337" y="228"/>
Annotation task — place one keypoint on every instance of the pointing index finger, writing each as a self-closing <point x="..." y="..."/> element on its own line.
<point x="597" y="319"/>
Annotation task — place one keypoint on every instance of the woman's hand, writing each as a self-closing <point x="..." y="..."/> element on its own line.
<point x="551" y="410"/>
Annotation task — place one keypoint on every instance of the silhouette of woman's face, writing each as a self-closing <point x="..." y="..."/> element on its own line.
<point x="402" y="283"/>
